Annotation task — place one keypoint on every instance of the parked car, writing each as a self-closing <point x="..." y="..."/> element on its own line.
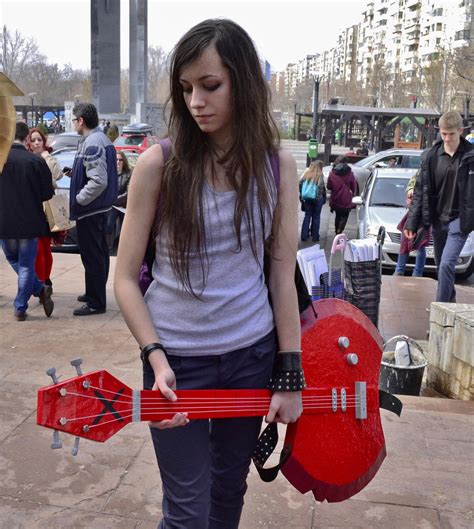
<point x="404" y="158"/>
<point x="383" y="203"/>
<point x="65" y="140"/>
<point x="136" y="137"/>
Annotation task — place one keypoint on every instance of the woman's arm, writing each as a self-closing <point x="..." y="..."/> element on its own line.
<point x="141" y="210"/>
<point x="285" y="406"/>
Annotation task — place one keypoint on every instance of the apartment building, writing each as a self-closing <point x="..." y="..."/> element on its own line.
<point x="402" y="36"/>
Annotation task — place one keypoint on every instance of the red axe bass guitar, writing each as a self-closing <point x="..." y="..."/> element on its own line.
<point x="334" y="449"/>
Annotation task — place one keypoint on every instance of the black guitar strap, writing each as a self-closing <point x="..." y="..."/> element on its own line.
<point x="268" y="440"/>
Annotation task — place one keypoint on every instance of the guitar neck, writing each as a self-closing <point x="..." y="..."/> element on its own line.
<point x="229" y="403"/>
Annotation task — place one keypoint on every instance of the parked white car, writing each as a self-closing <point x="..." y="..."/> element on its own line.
<point x="383" y="203"/>
<point x="401" y="158"/>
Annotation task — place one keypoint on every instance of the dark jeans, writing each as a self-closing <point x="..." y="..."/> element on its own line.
<point x="342" y="215"/>
<point x="448" y="243"/>
<point x="112" y="217"/>
<point x="91" y="235"/>
<point x="312" y="217"/>
<point x="21" y="253"/>
<point x="204" y="465"/>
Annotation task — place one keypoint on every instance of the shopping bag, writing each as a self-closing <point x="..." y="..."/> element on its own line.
<point x="57" y="213"/>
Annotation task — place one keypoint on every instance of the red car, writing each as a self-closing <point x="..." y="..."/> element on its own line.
<point x="135" y="138"/>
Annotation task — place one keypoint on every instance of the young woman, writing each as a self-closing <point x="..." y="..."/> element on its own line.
<point x="44" y="257"/>
<point x="343" y="186"/>
<point x="206" y="321"/>
<point x="312" y="207"/>
<point x="124" y="173"/>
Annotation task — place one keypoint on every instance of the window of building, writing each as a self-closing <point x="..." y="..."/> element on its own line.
<point x="464" y="34"/>
<point x="439" y="26"/>
<point x="438" y="12"/>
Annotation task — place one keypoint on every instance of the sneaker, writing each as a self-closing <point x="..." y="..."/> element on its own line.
<point x="83" y="298"/>
<point x="20" y="316"/>
<point x="46" y="301"/>
<point x="85" y="310"/>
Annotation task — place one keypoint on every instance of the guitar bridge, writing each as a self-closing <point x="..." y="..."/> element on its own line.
<point x="361" y="400"/>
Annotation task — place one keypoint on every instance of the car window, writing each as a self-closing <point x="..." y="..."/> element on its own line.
<point x="390" y="161"/>
<point x="412" y="162"/>
<point x="129" y="141"/>
<point x="366" y="161"/>
<point x="389" y="192"/>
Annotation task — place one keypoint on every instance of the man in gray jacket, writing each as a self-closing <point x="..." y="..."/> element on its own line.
<point x="92" y="193"/>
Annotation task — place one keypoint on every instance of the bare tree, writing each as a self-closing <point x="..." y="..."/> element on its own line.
<point x="158" y="76"/>
<point x="17" y="54"/>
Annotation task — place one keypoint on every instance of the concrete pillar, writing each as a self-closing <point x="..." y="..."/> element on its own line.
<point x="105" y="55"/>
<point x="138" y="53"/>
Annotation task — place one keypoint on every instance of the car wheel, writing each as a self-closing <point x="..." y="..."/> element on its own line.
<point x="467" y="273"/>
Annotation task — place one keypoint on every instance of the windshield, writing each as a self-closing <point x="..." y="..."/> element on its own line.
<point x="389" y="192"/>
<point x="124" y="141"/>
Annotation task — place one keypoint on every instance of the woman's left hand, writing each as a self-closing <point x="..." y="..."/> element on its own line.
<point x="45" y="154"/>
<point x="285" y="407"/>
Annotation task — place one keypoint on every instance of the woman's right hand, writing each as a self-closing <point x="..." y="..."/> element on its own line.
<point x="165" y="382"/>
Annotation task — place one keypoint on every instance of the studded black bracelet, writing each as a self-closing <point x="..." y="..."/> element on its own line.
<point x="288" y="373"/>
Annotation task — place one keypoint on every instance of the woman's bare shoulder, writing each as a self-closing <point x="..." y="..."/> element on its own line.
<point x="151" y="160"/>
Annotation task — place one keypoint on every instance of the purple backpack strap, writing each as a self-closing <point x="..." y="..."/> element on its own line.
<point x="275" y="165"/>
<point x="166" y="148"/>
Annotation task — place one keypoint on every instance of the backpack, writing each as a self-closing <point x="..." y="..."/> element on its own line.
<point x="309" y="190"/>
<point x="146" y="275"/>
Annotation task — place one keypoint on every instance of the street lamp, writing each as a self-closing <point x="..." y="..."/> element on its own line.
<point x="31" y="95"/>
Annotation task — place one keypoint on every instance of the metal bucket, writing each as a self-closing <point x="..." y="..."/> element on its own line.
<point x="402" y="380"/>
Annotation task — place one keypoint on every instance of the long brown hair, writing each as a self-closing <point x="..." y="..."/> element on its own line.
<point x="254" y="135"/>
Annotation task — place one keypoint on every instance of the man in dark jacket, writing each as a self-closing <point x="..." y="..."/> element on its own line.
<point x="93" y="191"/>
<point x="444" y="198"/>
<point x="24" y="184"/>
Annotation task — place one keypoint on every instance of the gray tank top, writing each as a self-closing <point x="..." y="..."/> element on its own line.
<point x="232" y="311"/>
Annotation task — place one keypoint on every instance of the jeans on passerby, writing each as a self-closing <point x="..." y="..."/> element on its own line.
<point x="204" y="465"/>
<point x="419" y="263"/>
<point x="448" y="243"/>
<point x="21" y="253"/>
<point x="91" y="236"/>
<point x="312" y="219"/>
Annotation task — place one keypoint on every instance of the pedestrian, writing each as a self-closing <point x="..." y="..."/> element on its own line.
<point x="208" y="303"/>
<point x="343" y="186"/>
<point x="124" y="172"/>
<point x="93" y="191"/>
<point x="37" y="144"/>
<point x="106" y="127"/>
<point x="407" y="246"/>
<point x="444" y="198"/>
<point x="312" y="179"/>
<point x="25" y="183"/>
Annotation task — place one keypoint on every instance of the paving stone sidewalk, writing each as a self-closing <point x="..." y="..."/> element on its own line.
<point x="426" y="481"/>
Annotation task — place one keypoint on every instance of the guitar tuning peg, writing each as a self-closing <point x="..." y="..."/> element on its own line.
<point x="75" y="448"/>
<point x="56" y="441"/>
<point x="52" y="373"/>
<point x="76" y="362"/>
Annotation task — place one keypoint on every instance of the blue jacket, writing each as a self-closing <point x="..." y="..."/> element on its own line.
<point x="94" y="180"/>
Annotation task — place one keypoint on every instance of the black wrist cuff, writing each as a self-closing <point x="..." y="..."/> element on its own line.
<point x="288" y="362"/>
<point x="287" y="373"/>
<point x="145" y="351"/>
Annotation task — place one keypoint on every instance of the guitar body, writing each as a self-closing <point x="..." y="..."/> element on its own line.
<point x="336" y="455"/>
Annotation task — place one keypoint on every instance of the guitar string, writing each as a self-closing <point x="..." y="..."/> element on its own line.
<point x="126" y="398"/>
<point x="220" y="402"/>
<point x="204" y="410"/>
